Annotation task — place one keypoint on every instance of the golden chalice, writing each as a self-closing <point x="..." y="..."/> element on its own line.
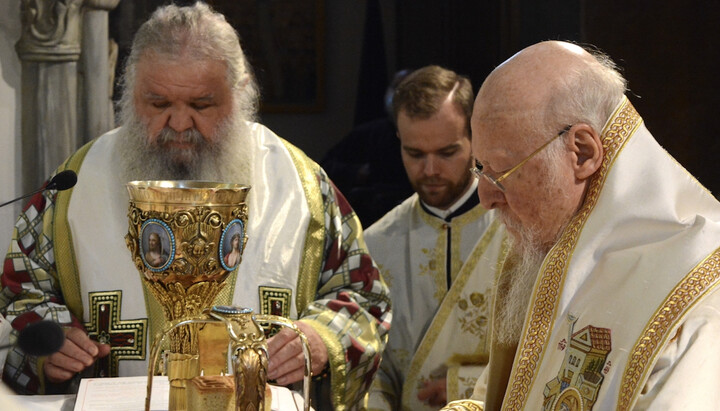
<point x="186" y="238"/>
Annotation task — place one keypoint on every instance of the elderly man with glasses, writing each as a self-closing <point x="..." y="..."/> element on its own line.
<point x="607" y="299"/>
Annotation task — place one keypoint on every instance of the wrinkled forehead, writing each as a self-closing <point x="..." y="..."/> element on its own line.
<point x="499" y="132"/>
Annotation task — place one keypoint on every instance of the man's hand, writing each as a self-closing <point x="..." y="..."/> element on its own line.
<point x="286" y="361"/>
<point x="77" y="353"/>
<point x="434" y="393"/>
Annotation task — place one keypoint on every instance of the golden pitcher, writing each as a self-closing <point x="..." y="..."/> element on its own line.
<point x="239" y="334"/>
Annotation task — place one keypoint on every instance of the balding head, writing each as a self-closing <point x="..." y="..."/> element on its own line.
<point x="552" y="83"/>
<point x="539" y="116"/>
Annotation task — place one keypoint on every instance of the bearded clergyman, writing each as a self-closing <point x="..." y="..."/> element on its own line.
<point x="187" y="113"/>
<point x="608" y="299"/>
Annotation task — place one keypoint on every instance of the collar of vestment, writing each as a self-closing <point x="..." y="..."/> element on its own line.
<point x="465" y="203"/>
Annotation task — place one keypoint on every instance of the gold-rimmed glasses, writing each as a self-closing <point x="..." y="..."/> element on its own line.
<point x="478" y="172"/>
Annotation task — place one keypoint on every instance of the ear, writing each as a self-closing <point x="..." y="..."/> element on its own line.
<point x="587" y="150"/>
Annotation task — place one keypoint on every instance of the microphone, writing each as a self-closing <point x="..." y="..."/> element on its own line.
<point x="62" y="181"/>
<point x="40" y="338"/>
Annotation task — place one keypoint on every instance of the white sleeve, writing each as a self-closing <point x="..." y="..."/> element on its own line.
<point x="687" y="373"/>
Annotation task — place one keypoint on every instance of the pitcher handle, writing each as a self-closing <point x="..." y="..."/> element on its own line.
<point x="284" y="322"/>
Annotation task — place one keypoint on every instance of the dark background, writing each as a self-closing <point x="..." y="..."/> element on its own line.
<point x="669" y="50"/>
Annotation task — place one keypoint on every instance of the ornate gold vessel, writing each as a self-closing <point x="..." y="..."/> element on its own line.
<point x="234" y="332"/>
<point x="186" y="237"/>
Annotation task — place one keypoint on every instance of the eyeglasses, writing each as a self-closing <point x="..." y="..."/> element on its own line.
<point x="478" y="172"/>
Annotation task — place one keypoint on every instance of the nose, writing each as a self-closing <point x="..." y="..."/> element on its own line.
<point x="490" y="196"/>
<point x="180" y="120"/>
<point x="431" y="166"/>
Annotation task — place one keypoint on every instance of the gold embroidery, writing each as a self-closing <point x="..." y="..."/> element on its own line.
<point x="275" y="301"/>
<point x="431" y="269"/>
<point x="619" y="130"/>
<point x="703" y="278"/>
<point x="436" y="257"/>
<point x="67" y="270"/>
<point x="126" y="337"/>
<point x="336" y="358"/>
<point x="445" y="310"/>
<point x="402" y="357"/>
<point x="464" y="405"/>
<point x="311" y="260"/>
<point x="385" y="274"/>
<point x="580" y="376"/>
<point x="570" y="399"/>
<point x="474" y="309"/>
<point x="468" y="382"/>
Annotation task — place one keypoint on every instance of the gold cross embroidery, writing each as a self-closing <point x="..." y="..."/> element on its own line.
<point x="126" y="337"/>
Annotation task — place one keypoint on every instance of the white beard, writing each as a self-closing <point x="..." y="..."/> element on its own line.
<point x="228" y="160"/>
<point x="522" y="266"/>
<point x="515" y="286"/>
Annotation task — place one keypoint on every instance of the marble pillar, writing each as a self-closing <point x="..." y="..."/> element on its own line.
<point x="97" y="70"/>
<point x="49" y="48"/>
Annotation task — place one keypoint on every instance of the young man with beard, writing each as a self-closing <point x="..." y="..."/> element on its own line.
<point x="608" y="298"/>
<point x="187" y="109"/>
<point x="438" y="251"/>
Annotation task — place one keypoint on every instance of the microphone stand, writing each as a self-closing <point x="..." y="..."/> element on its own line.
<point x="21" y="197"/>
<point x="61" y="181"/>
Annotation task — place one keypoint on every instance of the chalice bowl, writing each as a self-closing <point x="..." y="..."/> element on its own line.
<point x="186" y="238"/>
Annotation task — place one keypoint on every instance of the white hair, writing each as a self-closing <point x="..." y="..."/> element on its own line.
<point x="202" y="33"/>
<point x="588" y="94"/>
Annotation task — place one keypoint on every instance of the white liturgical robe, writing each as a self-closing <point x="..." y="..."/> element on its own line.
<point x="439" y="330"/>
<point x="625" y="312"/>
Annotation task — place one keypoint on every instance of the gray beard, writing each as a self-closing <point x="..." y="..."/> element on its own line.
<point x="227" y="160"/>
<point x="521" y="269"/>
<point x="515" y="287"/>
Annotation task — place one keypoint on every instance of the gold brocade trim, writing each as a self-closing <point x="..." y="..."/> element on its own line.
<point x="464" y="405"/>
<point x="620" y="128"/>
<point x="63" y="248"/>
<point x="336" y="359"/>
<point x="444" y="311"/>
<point x="453" y="382"/>
<point x="703" y="278"/>
<point x="311" y="260"/>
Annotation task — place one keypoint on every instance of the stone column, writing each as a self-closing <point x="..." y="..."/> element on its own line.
<point x="49" y="48"/>
<point x="97" y="69"/>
